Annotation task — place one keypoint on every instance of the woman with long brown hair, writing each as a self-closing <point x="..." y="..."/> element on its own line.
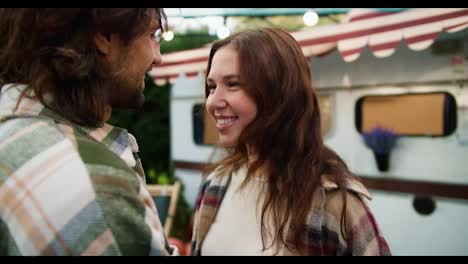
<point x="280" y="190"/>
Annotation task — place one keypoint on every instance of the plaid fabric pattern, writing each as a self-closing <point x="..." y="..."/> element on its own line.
<point x="71" y="190"/>
<point x="323" y="236"/>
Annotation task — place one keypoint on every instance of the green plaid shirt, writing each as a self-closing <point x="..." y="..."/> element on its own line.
<point x="66" y="189"/>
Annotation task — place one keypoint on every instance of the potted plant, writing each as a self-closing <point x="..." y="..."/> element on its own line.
<point x="381" y="141"/>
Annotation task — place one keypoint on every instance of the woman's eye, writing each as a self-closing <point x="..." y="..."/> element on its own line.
<point x="211" y="89"/>
<point x="233" y="84"/>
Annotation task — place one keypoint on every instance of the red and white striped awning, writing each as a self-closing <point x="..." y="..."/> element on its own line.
<point x="382" y="32"/>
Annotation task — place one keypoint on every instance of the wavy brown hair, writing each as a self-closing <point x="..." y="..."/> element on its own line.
<point x="285" y="137"/>
<point x="53" y="51"/>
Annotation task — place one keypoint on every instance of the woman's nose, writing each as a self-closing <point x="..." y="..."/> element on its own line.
<point x="218" y="99"/>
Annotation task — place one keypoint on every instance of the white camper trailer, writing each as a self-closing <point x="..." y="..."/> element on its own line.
<point x="408" y="70"/>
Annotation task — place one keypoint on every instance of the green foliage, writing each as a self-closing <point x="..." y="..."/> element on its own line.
<point x="150" y="126"/>
<point x="289" y="23"/>
<point x="189" y="40"/>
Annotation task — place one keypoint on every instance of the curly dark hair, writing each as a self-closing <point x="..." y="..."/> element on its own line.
<point x="53" y="51"/>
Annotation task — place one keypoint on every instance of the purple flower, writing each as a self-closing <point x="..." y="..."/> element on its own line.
<point x="380" y="140"/>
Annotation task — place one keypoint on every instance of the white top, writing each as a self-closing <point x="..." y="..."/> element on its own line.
<point x="236" y="229"/>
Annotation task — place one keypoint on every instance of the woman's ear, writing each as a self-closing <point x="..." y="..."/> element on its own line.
<point x="103" y="43"/>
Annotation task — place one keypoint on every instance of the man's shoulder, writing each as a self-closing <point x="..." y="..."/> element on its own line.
<point x="96" y="154"/>
<point x="50" y="160"/>
<point x="14" y="124"/>
<point x="26" y="138"/>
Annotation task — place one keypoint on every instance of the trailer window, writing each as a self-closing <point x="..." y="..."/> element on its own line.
<point x="413" y="114"/>
<point x="204" y="129"/>
<point x="326" y="112"/>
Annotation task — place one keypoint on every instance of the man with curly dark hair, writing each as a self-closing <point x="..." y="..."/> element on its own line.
<point x="70" y="184"/>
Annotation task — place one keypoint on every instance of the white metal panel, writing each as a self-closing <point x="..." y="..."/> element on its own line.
<point x="442" y="233"/>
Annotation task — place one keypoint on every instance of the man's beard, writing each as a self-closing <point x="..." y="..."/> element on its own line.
<point x="126" y="93"/>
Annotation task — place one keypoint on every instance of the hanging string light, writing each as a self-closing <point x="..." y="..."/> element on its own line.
<point x="223" y="31"/>
<point x="168" y="35"/>
<point x="310" y="18"/>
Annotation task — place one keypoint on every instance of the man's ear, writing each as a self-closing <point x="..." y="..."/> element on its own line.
<point x="103" y="43"/>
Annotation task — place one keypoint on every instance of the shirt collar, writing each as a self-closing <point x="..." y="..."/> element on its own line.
<point x="351" y="184"/>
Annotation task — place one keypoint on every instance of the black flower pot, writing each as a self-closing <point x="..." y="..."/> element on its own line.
<point x="382" y="161"/>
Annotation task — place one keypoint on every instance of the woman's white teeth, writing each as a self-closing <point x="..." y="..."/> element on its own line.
<point x="225" y="121"/>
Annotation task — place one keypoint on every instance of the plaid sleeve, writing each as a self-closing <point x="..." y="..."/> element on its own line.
<point x="324" y="230"/>
<point x="367" y="238"/>
<point x="131" y="219"/>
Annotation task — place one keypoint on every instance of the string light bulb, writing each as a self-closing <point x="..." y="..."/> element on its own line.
<point x="223" y="32"/>
<point x="168" y="35"/>
<point x="310" y="18"/>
